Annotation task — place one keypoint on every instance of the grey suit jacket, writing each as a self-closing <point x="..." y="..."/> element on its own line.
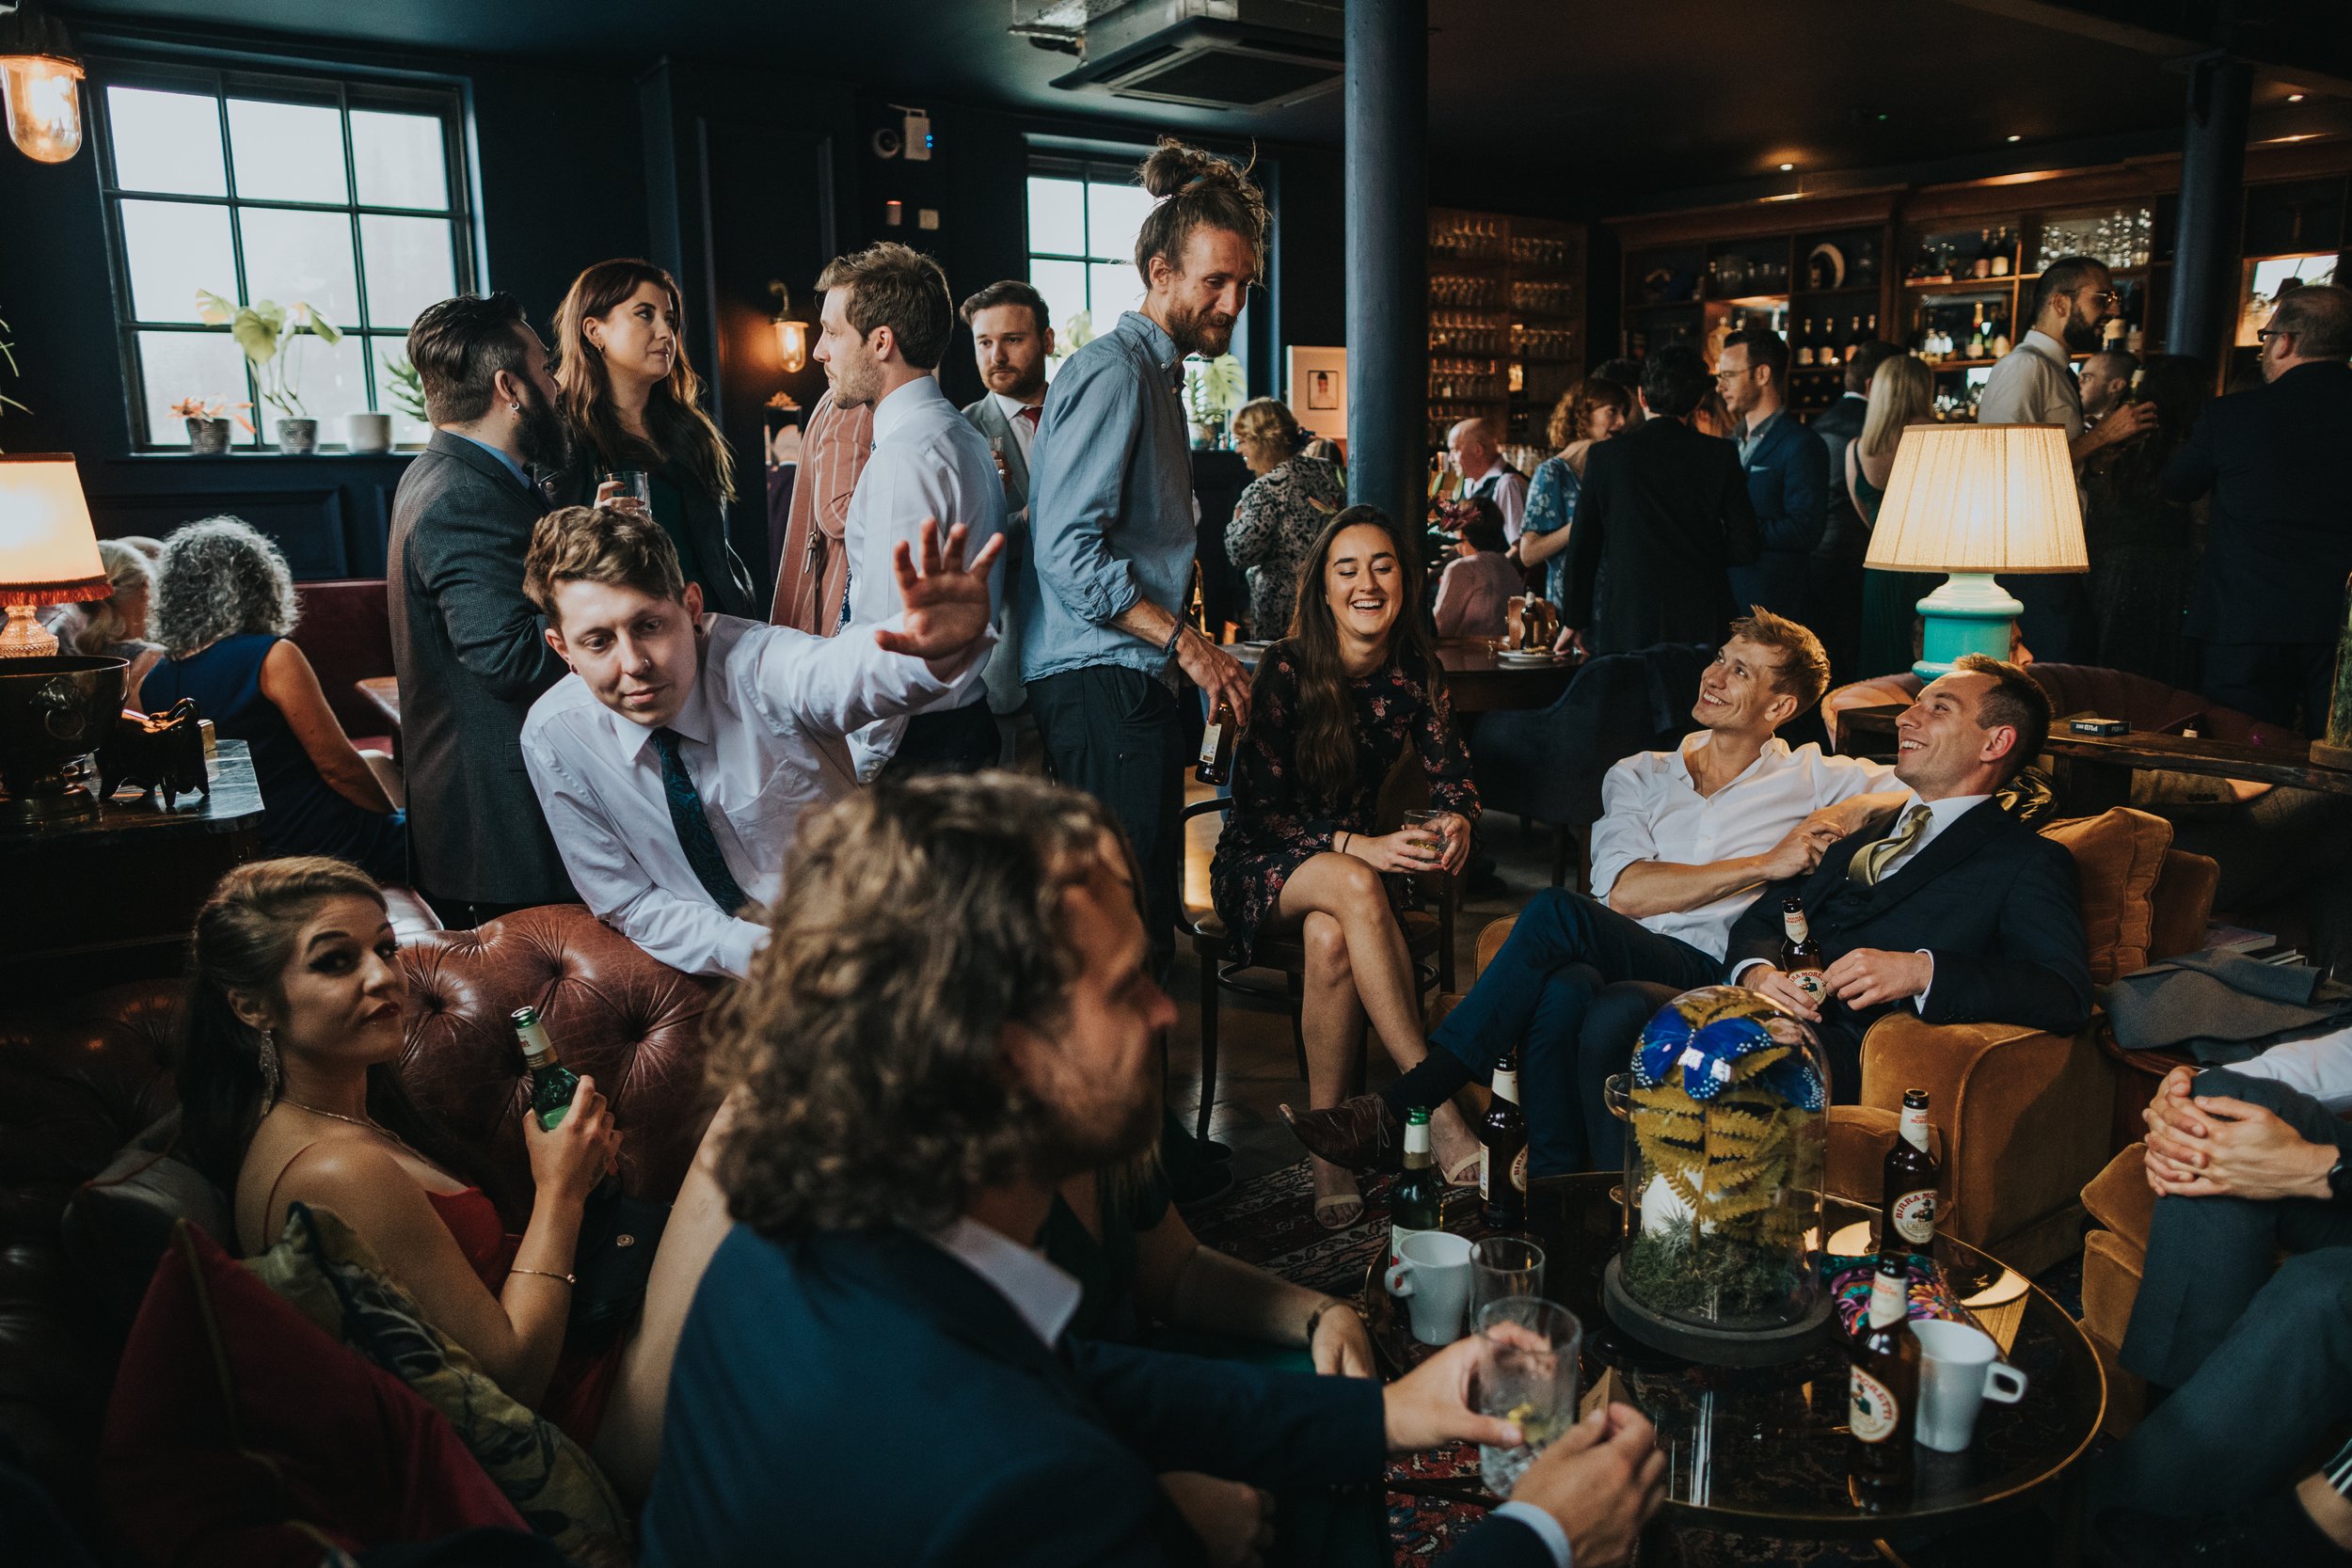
<point x="472" y="657"/>
<point x="1003" y="675"/>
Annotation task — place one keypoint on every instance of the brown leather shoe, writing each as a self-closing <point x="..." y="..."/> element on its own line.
<point x="1358" y="1134"/>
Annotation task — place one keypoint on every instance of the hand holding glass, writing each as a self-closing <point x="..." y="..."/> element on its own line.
<point x="627" y="488"/>
<point x="1427" y="829"/>
<point x="1527" y="1373"/>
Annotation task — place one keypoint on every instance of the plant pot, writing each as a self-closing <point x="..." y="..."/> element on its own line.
<point x="367" y="433"/>
<point x="208" y="438"/>
<point x="297" y="437"/>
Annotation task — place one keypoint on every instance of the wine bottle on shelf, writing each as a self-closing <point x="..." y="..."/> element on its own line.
<point x="2003" y="244"/>
<point x="1805" y="343"/>
<point x="1982" y="266"/>
<point x="1855" y="334"/>
<point x="2000" y="344"/>
<point x="1828" y="356"/>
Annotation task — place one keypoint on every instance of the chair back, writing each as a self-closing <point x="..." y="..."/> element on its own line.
<point x="1549" y="765"/>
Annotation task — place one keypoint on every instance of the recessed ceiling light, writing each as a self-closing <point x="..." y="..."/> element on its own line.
<point x="1786" y="167"/>
<point x="2295" y="98"/>
<point x="2017" y="139"/>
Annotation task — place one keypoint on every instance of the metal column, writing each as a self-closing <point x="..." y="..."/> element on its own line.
<point x="1388" y="284"/>
<point x="2201" y="317"/>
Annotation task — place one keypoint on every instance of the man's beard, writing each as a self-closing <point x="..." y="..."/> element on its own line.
<point x="539" y="432"/>
<point x="1063" y="1149"/>
<point x="1025" y="384"/>
<point x="2081" y="336"/>
<point x="1206" y="332"/>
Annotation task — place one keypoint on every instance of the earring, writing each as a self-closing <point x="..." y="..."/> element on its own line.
<point x="514" y="408"/>
<point x="269" y="1069"/>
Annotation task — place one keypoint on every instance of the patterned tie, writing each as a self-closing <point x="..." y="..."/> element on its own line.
<point x="1872" y="861"/>
<point x="694" y="829"/>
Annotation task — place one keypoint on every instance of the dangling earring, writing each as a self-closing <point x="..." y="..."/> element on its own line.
<point x="269" y="1069"/>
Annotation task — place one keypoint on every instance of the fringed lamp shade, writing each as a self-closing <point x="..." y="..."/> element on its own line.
<point x="48" y="549"/>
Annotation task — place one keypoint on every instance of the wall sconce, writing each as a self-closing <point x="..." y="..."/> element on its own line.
<point x="791" y="335"/>
<point x="40" y="84"/>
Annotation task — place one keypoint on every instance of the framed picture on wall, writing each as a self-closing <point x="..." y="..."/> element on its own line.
<point x="1318" y="390"/>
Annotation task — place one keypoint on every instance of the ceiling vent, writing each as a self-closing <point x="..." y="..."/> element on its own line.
<point x="1212" y="54"/>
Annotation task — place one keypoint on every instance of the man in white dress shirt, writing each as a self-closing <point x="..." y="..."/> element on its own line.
<point x="886" y="324"/>
<point x="1685" y="840"/>
<point x="1478" y="458"/>
<point x="674" y="760"/>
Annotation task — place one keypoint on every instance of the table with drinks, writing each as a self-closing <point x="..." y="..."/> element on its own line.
<point x="1914" y="1433"/>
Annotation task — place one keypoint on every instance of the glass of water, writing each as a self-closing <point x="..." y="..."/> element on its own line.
<point x="1504" y="1266"/>
<point x="1526" y="1374"/>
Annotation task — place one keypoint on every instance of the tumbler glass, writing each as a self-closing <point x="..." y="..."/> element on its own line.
<point x="1526" y="1374"/>
<point x="1504" y="1266"/>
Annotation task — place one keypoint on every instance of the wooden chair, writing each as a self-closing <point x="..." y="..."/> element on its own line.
<point x="1428" y="939"/>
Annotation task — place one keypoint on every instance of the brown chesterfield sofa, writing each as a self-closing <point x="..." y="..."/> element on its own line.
<point x="86" y="1100"/>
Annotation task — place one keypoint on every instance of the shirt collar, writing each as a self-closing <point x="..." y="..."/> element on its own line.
<point x="1045" y="1297"/>
<point x="1161" y="346"/>
<point x="1011" y="408"/>
<point x="1755" y="432"/>
<point x="2049" y="348"/>
<point x="522" y="476"/>
<point x="1771" y="751"/>
<point x="904" y="403"/>
<point x="1943" y="813"/>
<point x="691" y="721"/>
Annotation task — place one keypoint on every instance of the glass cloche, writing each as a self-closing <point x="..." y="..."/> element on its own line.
<point x="1727" y="1144"/>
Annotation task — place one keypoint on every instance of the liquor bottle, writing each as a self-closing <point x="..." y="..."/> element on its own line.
<point x="1416" y="1202"/>
<point x="1216" y="746"/>
<point x="1805" y="343"/>
<point x="1883" y="1388"/>
<point x="1907" y="1212"/>
<point x="1854" y="333"/>
<point x="2001" y="345"/>
<point x="2002" y="246"/>
<point x="1502" y="1154"/>
<point x="1982" y="266"/>
<point x="1829" y="353"/>
<point x="1800" y="955"/>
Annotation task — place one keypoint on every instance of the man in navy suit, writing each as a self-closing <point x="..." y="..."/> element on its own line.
<point x="1787" y="469"/>
<point x="954" y="1014"/>
<point x="1956" y="908"/>
<point x="2268" y="603"/>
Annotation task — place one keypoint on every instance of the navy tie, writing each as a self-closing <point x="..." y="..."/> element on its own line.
<point x="694" y="829"/>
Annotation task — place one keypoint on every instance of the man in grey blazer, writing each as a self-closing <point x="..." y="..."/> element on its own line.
<point x="469" y="648"/>
<point x="1012" y="340"/>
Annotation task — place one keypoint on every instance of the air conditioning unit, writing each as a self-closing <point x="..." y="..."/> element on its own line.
<point x="1213" y="54"/>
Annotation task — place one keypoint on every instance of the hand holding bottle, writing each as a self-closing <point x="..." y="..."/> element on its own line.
<point x="569" y="1159"/>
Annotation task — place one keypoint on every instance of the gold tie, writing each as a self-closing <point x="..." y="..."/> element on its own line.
<point x="1872" y="861"/>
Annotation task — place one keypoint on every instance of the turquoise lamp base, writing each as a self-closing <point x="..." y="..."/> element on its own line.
<point x="1971" y="614"/>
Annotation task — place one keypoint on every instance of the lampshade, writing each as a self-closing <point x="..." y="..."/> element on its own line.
<point x="1980" y="498"/>
<point x="40" y="84"/>
<point x="48" y="549"/>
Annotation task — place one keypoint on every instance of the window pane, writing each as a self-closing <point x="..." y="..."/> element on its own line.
<point x="330" y="383"/>
<point x="399" y="159"/>
<point x="301" y="256"/>
<point x="1114" y="214"/>
<point x="1057" y="216"/>
<point x="167" y="141"/>
<point x="409" y="266"/>
<point x="405" y="430"/>
<point x="175" y="247"/>
<point x="1064" y="286"/>
<point x="177" y="365"/>
<point x="287" y="152"/>
<point x="1115" y="290"/>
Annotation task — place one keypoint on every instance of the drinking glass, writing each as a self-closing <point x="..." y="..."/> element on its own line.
<point x="635" y="484"/>
<point x="1426" y="830"/>
<point x="1527" y="1373"/>
<point x="1504" y="1266"/>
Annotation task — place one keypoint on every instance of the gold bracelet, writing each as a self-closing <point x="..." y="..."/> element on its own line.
<point x="545" y="1274"/>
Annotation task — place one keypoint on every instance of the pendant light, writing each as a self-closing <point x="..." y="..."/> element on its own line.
<point x="39" y="83"/>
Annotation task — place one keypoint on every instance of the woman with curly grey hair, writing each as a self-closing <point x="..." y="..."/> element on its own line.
<point x="223" y="603"/>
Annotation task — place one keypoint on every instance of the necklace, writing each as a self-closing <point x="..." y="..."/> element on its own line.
<point x="380" y="1131"/>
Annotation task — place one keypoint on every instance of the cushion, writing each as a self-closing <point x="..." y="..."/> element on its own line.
<point x="322" y="1268"/>
<point x="119" y="1223"/>
<point x="2118" y="855"/>
<point x="240" y="1434"/>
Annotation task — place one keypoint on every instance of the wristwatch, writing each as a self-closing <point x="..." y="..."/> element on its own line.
<point x="2340" y="1181"/>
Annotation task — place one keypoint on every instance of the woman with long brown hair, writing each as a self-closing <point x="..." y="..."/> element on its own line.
<point x="630" y="400"/>
<point x="1332" y="707"/>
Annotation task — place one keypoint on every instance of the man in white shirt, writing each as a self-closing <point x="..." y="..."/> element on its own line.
<point x="1685" y="839"/>
<point x="1478" y="458"/>
<point x="1012" y="340"/>
<point x="885" y="325"/>
<point x="674" y="760"/>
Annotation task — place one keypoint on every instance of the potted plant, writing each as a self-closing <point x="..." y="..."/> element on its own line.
<point x="270" y="334"/>
<point x="208" y="424"/>
<point x="406" y="388"/>
<point x="367" y="432"/>
<point x="1212" y="390"/>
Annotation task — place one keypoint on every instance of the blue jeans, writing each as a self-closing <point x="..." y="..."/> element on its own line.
<point x="1570" y="989"/>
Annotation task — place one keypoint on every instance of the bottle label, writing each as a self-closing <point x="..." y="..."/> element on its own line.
<point x="1485" y="1174"/>
<point x="1870" y="1409"/>
<point x="1506" y="1084"/>
<point x="1211" y="739"/>
<point x="1519" y="1170"/>
<point x="1915" y="1126"/>
<point x="1890" y="1299"/>
<point x="1914" y="1217"/>
<point x="1416" y="1140"/>
<point x="1810" y="982"/>
<point x="1799" y="930"/>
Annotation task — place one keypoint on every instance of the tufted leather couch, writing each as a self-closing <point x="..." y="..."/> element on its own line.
<point x="81" y="1082"/>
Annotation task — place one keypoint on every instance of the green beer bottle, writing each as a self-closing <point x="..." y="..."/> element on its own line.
<point x="1416" y="1202"/>
<point x="552" y="1083"/>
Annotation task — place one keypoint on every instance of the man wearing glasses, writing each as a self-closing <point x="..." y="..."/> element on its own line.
<point x="2034" y="384"/>
<point x="1787" y="469"/>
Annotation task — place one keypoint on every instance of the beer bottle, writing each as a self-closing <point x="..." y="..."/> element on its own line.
<point x="1416" y="1202"/>
<point x="1502" y="1155"/>
<point x="1216" y="746"/>
<point x="1882" y="1386"/>
<point x="1907" y="1216"/>
<point x="1800" y="955"/>
<point x="552" y="1083"/>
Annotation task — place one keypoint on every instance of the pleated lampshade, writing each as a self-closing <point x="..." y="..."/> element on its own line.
<point x="1980" y="498"/>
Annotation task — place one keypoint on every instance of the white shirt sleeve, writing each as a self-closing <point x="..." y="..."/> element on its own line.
<point x="691" y="934"/>
<point x="1837" y="779"/>
<point x="834" y="685"/>
<point x="1511" y="500"/>
<point x="1629" y="792"/>
<point x="2320" y="1067"/>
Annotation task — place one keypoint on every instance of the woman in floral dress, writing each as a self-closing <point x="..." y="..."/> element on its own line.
<point x="1278" y="516"/>
<point x="1587" y="413"/>
<point x="1333" y="706"/>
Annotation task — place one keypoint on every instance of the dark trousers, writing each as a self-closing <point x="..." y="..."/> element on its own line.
<point x="2273" y="680"/>
<point x="1116" y="734"/>
<point x="960" y="740"/>
<point x="2260" y="1360"/>
<point x="1570" y="989"/>
<point x="1837" y="595"/>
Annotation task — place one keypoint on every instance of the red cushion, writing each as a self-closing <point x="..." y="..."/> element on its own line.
<point x="240" y="1434"/>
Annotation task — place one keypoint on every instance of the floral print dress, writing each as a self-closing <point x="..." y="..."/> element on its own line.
<point x="1273" y="531"/>
<point x="1276" y="826"/>
<point x="1551" y="497"/>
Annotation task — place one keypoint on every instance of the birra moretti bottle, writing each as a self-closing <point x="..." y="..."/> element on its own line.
<point x="1416" y="1202"/>
<point x="1907" y="1214"/>
<point x="1800" y="955"/>
<point x="552" y="1083"/>
<point x="1882" y="1385"/>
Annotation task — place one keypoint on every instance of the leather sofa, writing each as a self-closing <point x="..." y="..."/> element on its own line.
<point x="344" y="628"/>
<point x="82" y="1216"/>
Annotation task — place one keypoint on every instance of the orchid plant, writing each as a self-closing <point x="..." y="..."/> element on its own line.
<point x="269" y="333"/>
<point x="211" y="408"/>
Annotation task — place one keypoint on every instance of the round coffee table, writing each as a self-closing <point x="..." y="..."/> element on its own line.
<point x="1763" y="1450"/>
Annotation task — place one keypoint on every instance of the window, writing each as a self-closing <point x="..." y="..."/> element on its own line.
<point x="349" y="196"/>
<point x="1083" y="218"/>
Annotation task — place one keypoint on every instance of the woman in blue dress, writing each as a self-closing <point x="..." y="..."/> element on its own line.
<point x="1587" y="413"/>
<point x="223" y="603"/>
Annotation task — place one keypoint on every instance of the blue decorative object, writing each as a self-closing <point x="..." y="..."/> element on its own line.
<point x="1702" y="1034"/>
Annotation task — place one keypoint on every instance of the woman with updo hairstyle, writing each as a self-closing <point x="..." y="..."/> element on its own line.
<point x="1276" y="520"/>
<point x="630" y="400"/>
<point x="1586" y="415"/>
<point x="297" y="1019"/>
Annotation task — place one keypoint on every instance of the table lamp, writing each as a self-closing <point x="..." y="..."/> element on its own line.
<point x="48" y="550"/>
<point x="1973" y="499"/>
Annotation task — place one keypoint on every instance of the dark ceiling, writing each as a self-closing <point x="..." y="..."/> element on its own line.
<point x="1542" y="105"/>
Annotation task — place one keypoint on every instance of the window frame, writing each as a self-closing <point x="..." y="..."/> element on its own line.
<point x="1087" y="172"/>
<point x="346" y="92"/>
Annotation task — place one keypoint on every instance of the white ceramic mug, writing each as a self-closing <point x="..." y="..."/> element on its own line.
<point x="1959" y="1368"/>
<point x="1433" y="1273"/>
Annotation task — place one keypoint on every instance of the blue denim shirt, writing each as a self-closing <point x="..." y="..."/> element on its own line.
<point x="1110" y="504"/>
